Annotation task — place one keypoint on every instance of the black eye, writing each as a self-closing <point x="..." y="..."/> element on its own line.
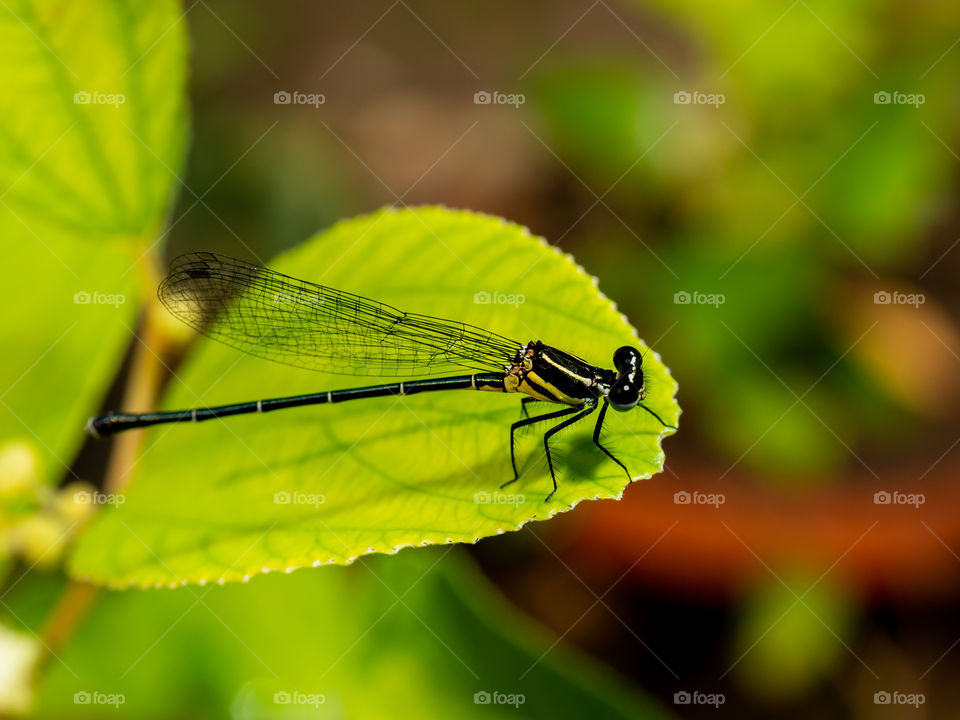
<point x="626" y="358"/>
<point x="624" y="395"/>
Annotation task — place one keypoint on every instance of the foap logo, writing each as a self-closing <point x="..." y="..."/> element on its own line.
<point x="699" y="298"/>
<point x="93" y="497"/>
<point x="296" y="697"/>
<point x="283" y="97"/>
<point x="882" y="97"/>
<point x="685" y="497"/>
<point x="885" y="697"/>
<point x="498" y="298"/>
<point x="499" y="498"/>
<point x="483" y="97"/>
<point x="885" y="497"/>
<point x="96" y="297"/>
<point x="684" y="697"/>
<point x="885" y="297"/>
<point x="95" y="97"/>
<point x="482" y="697"/>
<point x="284" y="497"/>
<point x="695" y="97"/>
<point x="297" y="298"/>
<point x="85" y="697"/>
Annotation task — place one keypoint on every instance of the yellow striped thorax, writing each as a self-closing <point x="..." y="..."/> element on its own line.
<point x="551" y="375"/>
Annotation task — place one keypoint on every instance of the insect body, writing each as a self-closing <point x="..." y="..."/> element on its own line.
<point x="546" y="374"/>
<point x="277" y="317"/>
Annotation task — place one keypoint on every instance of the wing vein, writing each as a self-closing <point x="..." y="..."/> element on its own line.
<point x="277" y="317"/>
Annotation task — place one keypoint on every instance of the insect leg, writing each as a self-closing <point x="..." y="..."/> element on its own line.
<point x="596" y="440"/>
<point x="530" y="421"/>
<point x="555" y="429"/>
<point x="523" y="405"/>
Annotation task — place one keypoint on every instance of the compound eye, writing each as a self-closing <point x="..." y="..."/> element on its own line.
<point x="626" y="358"/>
<point x="624" y="395"/>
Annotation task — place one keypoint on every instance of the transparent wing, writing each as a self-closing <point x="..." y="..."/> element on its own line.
<point x="277" y="317"/>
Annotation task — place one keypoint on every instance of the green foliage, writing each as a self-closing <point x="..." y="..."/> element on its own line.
<point x="60" y="357"/>
<point x="70" y="172"/>
<point x="714" y="195"/>
<point x="92" y="114"/>
<point x="406" y="637"/>
<point x="376" y="475"/>
<point x="791" y="638"/>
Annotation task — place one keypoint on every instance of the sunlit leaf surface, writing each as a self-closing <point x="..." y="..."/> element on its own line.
<point x="223" y="500"/>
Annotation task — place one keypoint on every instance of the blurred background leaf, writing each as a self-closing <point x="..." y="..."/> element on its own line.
<point x="402" y="637"/>
<point x="811" y="619"/>
<point x="53" y="376"/>
<point x="93" y="112"/>
<point x="92" y="131"/>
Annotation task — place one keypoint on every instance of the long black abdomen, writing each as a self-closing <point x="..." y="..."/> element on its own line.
<point x="112" y="423"/>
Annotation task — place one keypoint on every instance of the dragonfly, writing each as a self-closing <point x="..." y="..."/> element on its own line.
<point x="270" y="315"/>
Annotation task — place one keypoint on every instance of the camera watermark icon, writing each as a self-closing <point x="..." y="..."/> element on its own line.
<point x="85" y="697"/>
<point x="285" y="497"/>
<point x="685" y="497"/>
<point x="499" y="498"/>
<point x="93" y="497"/>
<point x="482" y="697"/>
<point x="695" y="97"/>
<point x="483" y="97"/>
<point x="498" y="298"/>
<point x="699" y="298"/>
<point x="884" y="697"/>
<point x="884" y="497"/>
<point x="683" y="697"/>
<point x="885" y="297"/>
<point x="296" y="697"/>
<point x="95" y="97"/>
<point x="298" y="298"/>
<point x="283" y="97"/>
<point x="882" y="97"/>
<point x="98" y="298"/>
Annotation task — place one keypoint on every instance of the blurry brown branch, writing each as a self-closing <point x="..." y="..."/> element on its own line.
<point x="877" y="544"/>
<point x="141" y="392"/>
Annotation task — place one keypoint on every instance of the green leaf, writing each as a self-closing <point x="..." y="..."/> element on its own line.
<point x="791" y="637"/>
<point x="92" y="115"/>
<point x="408" y="637"/>
<point x="60" y="355"/>
<point x="382" y="474"/>
<point x="70" y="173"/>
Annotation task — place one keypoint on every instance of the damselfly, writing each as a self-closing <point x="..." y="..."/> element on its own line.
<point x="277" y="317"/>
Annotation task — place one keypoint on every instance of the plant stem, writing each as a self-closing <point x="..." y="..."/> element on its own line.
<point x="141" y="392"/>
<point x="143" y="383"/>
<point x="63" y="620"/>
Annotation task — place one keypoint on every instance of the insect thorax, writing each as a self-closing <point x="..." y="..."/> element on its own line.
<point x="551" y="375"/>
